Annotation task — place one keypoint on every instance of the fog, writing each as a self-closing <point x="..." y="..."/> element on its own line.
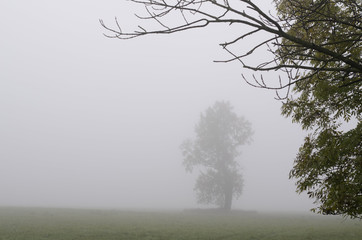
<point x="92" y="122"/>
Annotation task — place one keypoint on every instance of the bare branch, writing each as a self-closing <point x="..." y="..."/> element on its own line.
<point x="291" y="52"/>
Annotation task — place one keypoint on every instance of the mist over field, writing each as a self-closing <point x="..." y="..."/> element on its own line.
<point x="92" y="122"/>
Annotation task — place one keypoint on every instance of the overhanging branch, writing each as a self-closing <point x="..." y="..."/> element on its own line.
<point x="299" y="51"/>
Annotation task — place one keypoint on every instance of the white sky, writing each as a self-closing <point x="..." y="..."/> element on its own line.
<point x="87" y="121"/>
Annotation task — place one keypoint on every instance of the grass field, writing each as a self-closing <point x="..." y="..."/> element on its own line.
<point x="74" y="224"/>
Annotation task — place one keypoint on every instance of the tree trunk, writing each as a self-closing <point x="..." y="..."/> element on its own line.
<point x="228" y="197"/>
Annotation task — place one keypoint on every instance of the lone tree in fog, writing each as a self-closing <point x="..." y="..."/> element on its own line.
<point x="219" y="134"/>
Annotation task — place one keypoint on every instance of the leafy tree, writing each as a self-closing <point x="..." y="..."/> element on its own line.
<point x="219" y="134"/>
<point x="329" y="164"/>
<point x="316" y="47"/>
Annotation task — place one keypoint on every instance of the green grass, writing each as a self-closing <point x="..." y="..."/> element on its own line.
<point x="64" y="224"/>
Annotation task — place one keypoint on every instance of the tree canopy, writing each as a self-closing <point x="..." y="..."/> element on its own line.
<point x="329" y="164"/>
<point x="316" y="47"/>
<point x="219" y="134"/>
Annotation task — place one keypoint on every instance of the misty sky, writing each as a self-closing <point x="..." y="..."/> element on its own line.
<point x="87" y="121"/>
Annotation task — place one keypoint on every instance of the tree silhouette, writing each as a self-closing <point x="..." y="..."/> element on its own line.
<point x="219" y="134"/>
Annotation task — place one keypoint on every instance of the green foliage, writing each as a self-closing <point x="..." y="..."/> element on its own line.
<point x="329" y="168"/>
<point x="219" y="134"/>
<point x="329" y="164"/>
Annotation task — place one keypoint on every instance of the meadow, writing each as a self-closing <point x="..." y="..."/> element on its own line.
<point x="79" y="224"/>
